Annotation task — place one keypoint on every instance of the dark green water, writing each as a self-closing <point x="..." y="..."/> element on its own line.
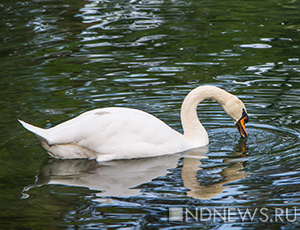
<point x="61" y="58"/>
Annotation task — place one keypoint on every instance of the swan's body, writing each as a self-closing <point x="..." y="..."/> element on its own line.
<point x="111" y="133"/>
<point x="122" y="133"/>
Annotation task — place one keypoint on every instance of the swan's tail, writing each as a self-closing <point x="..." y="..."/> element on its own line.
<point x="41" y="133"/>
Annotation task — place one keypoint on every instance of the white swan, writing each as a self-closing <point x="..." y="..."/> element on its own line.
<point x="123" y="133"/>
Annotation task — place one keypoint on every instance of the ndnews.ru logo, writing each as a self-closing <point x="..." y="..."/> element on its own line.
<point x="233" y="214"/>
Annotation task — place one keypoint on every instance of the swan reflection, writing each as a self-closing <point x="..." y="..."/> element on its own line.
<point x="121" y="178"/>
<point x="203" y="190"/>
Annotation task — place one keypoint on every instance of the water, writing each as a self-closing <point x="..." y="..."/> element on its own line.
<point x="61" y="58"/>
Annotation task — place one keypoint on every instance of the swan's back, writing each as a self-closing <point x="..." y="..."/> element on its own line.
<point x="110" y="133"/>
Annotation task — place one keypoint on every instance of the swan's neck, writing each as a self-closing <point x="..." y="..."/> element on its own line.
<point x="193" y="129"/>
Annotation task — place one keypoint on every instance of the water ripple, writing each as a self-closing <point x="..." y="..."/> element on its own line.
<point x="62" y="58"/>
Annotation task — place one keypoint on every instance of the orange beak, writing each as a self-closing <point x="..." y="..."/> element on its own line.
<point x="241" y="126"/>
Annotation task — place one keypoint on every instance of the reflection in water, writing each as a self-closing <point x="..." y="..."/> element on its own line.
<point x="122" y="178"/>
<point x="203" y="190"/>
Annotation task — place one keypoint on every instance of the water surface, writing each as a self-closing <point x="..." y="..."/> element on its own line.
<point x="62" y="58"/>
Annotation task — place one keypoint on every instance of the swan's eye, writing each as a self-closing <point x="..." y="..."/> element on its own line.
<point x="245" y="115"/>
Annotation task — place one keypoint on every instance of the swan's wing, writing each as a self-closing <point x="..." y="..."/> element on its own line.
<point x="111" y="127"/>
<point x="79" y="128"/>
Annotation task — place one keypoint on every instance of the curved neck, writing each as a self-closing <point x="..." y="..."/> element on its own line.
<point x="192" y="127"/>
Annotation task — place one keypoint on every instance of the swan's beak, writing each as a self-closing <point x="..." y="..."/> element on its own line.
<point x="241" y="124"/>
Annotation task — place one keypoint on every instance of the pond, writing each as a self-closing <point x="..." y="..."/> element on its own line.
<point x="60" y="58"/>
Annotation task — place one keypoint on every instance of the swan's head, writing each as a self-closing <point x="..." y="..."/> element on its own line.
<point x="236" y="109"/>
